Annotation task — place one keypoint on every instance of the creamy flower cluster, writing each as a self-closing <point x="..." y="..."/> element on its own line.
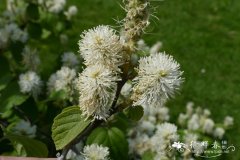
<point x="95" y="152"/>
<point x="88" y="152"/>
<point x="62" y="80"/>
<point x="101" y="45"/>
<point x="11" y="32"/>
<point x="158" y="79"/>
<point x="199" y="120"/>
<point x="54" y="6"/>
<point x="24" y="128"/>
<point x="30" y="82"/>
<point x="72" y="11"/>
<point x="69" y="59"/>
<point x="101" y="49"/>
<point x="154" y="134"/>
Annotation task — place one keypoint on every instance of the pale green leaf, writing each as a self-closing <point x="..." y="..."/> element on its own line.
<point x="67" y="126"/>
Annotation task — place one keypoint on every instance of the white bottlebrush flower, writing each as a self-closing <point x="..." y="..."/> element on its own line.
<point x="101" y="45"/>
<point x="228" y="121"/>
<point x="30" y="82"/>
<point x="208" y="126"/>
<point x="62" y="80"/>
<point x="69" y="59"/>
<point x="97" y="87"/>
<point x="158" y="78"/>
<point x="72" y="11"/>
<point x="55" y="6"/>
<point x="25" y="128"/>
<point x="95" y="152"/>
<point x="30" y="58"/>
<point x="219" y="132"/>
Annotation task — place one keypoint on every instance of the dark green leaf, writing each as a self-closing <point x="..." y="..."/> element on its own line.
<point x="4" y="80"/>
<point x="32" y="12"/>
<point x="35" y="30"/>
<point x="67" y="126"/>
<point x="120" y="121"/>
<point x="33" y="148"/>
<point x="11" y="97"/>
<point x="134" y="113"/>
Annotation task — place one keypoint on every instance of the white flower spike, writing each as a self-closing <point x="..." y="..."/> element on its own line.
<point x="97" y="86"/>
<point x="102" y="46"/>
<point x="158" y="79"/>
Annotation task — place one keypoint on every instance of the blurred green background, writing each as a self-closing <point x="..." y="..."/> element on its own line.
<point x="201" y="35"/>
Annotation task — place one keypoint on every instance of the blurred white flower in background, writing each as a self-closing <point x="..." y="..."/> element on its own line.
<point x="30" y="82"/>
<point x="95" y="152"/>
<point x="228" y="121"/>
<point x="219" y="132"/>
<point x="69" y="59"/>
<point x="72" y="11"/>
<point x="15" y="33"/>
<point x="55" y="6"/>
<point x="62" y="80"/>
<point x="155" y="48"/>
<point x="142" y="46"/>
<point x="25" y="128"/>
<point x="31" y="59"/>
<point x="208" y="126"/>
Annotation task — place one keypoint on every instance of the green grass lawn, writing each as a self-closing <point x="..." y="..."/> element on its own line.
<point x="200" y="35"/>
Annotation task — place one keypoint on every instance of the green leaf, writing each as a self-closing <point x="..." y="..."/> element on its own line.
<point x="134" y="113"/>
<point x="32" y="12"/>
<point x="67" y="126"/>
<point x="4" y="80"/>
<point x="11" y="97"/>
<point x="113" y="138"/>
<point x="120" y="121"/>
<point x="32" y="147"/>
